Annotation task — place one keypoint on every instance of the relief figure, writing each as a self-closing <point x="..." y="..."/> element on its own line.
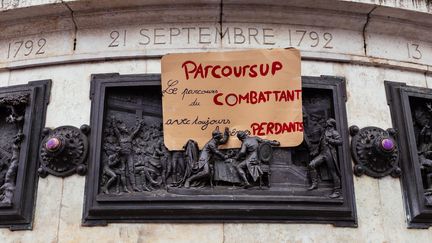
<point x="15" y="105"/>
<point x="125" y="138"/>
<point x="200" y="172"/>
<point x="422" y="118"/>
<point x="327" y="153"/>
<point x="250" y="163"/>
<point x="136" y="159"/>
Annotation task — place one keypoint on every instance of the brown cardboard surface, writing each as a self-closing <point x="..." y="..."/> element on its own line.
<point x="203" y="91"/>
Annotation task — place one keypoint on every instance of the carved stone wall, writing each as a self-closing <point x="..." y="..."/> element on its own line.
<point x="362" y="42"/>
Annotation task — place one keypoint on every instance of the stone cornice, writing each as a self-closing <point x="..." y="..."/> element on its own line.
<point x="337" y="31"/>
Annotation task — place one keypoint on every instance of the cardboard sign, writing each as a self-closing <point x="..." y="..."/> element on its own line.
<point x="258" y="91"/>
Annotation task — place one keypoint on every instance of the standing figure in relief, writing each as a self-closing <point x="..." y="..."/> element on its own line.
<point x="251" y="162"/>
<point x="143" y="168"/>
<point x="114" y="169"/>
<point x="8" y="188"/>
<point x="154" y="155"/>
<point x="176" y="165"/>
<point x="164" y="158"/>
<point x="201" y="169"/>
<point x="125" y="140"/>
<point x="189" y="158"/>
<point x="329" y="141"/>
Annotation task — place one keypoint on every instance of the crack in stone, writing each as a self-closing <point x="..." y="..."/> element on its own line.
<point x="223" y="232"/>
<point x="59" y="214"/>
<point x="220" y="20"/>
<point x="74" y="22"/>
<point x="364" y="29"/>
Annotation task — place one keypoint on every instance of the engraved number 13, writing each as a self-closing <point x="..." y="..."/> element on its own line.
<point x="414" y="51"/>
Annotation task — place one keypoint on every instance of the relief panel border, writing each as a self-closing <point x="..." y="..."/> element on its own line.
<point x="128" y="209"/>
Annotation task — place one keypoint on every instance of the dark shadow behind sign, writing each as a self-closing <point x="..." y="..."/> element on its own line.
<point x="411" y="111"/>
<point x="22" y="118"/>
<point x="130" y="100"/>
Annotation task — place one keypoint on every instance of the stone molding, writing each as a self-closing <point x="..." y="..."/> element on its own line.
<point x="81" y="31"/>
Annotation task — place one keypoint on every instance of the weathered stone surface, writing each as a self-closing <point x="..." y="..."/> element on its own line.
<point x="38" y="46"/>
<point x="83" y="31"/>
<point x="59" y="202"/>
<point x="4" y="78"/>
<point x="14" y="4"/>
<point x="429" y="81"/>
<point x="367" y="104"/>
<point x="143" y="38"/>
<point x="415" y="5"/>
<point x="46" y="220"/>
<point x="411" y="39"/>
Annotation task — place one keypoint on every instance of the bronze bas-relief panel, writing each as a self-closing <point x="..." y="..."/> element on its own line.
<point x="133" y="177"/>
<point x="411" y="111"/>
<point x="22" y="117"/>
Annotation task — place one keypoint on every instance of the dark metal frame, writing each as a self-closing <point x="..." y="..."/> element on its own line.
<point x="419" y="215"/>
<point x="132" y="208"/>
<point x="19" y="215"/>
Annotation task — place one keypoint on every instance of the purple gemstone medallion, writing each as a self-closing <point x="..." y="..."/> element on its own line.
<point x="387" y="144"/>
<point x="53" y="144"/>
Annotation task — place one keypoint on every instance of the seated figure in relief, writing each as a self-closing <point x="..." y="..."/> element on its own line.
<point x="201" y="169"/>
<point x="248" y="155"/>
